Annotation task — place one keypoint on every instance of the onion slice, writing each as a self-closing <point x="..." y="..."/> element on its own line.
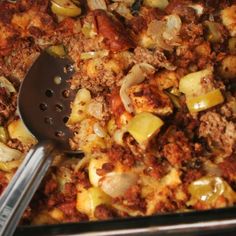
<point x="8" y="154"/>
<point x="165" y="32"/>
<point x="136" y="75"/>
<point x="97" y="4"/>
<point x="116" y="184"/>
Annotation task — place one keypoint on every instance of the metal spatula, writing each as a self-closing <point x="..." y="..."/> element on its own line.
<point x="44" y="106"/>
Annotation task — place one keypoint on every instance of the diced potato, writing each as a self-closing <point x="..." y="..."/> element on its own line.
<point x="43" y="218"/>
<point x="228" y="67"/>
<point x="92" y="67"/>
<point x="57" y="214"/>
<point x="93" y="142"/>
<point x="205" y="101"/>
<point x="146" y="98"/>
<point x="95" y="164"/>
<point x="203" y="49"/>
<point x="165" y="79"/>
<point x="228" y="16"/>
<point x="57" y="50"/>
<point x="78" y="108"/>
<point x="114" y="66"/>
<point x="111" y="126"/>
<point x="191" y="84"/>
<point x="146" y="41"/>
<point x="161" y="4"/>
<point x="93" y="54"/>
<point x="64" y="175"/>
<point x="89" y="199"/>
<point x="65" y="8"/>
<point x="17" y="130"/>
<point x="143" y="126"/>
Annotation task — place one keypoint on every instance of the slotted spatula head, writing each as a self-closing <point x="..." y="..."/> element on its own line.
<point x="45" y="97"/>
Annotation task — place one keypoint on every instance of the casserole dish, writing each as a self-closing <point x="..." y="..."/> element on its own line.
<point x="154" y="111"/>
<point x="212" y="222"/>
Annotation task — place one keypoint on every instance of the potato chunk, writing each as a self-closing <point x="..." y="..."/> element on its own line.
<point x="146" y="98"/>
<point x="228" y="16"/>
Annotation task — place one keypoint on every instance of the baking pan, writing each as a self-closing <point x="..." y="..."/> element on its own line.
<point x="209" y="222"/>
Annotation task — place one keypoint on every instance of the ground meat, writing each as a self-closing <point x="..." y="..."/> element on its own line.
<point x="53" y="200"/>
<point x="133" y="199"/>
<point x="50" y="186"/>
<point x="155" y="58"/>
<point x="96" y="75"/>
<point x="3" y="182"/>
<point x="228" y="168"/>
<point x="181" y="8"/>
<point x="17" y="63"/>
<point x="120" y="154"/>
<point x="70" y="191"/>
<point x="7" y="105"/>
<point x="131" y="144"/>
<point x="157" y="167"/>
<point x="150" y="14"/>
<point x="138" y="24"/>
<point x="178" y="149"/>
<point x="228" y="110"/>
<point x="218" y="131"/>
<point x="106" y="168"/>
<point x="103" y="212"/>
<point x="71" y="213"/>
<point x="191" y="32"/>
<point x="185" y="56"/>
<point x="191" y="175"/>
<point x="17" y="144"/>
<point x="83" y="179"/>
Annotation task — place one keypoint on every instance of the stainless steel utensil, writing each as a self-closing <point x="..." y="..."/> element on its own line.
<point x="44" y="106"/>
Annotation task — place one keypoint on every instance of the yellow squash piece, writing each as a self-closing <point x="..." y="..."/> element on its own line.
<point x="143" y="126"/>
<point x="89" y="199"/>
<point x="161" y="4"/>
<point x="208" y="189"/>
<point x="65" y="8"/>
<point x="191" y="84"/>
<point x="205" y="101"/>
<point x="57" y="50"/>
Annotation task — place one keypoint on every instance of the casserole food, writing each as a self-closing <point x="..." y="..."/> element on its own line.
<point x="154" y="110"/>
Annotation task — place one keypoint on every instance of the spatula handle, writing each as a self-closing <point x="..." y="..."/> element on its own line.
<point x="25" y="182"/>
